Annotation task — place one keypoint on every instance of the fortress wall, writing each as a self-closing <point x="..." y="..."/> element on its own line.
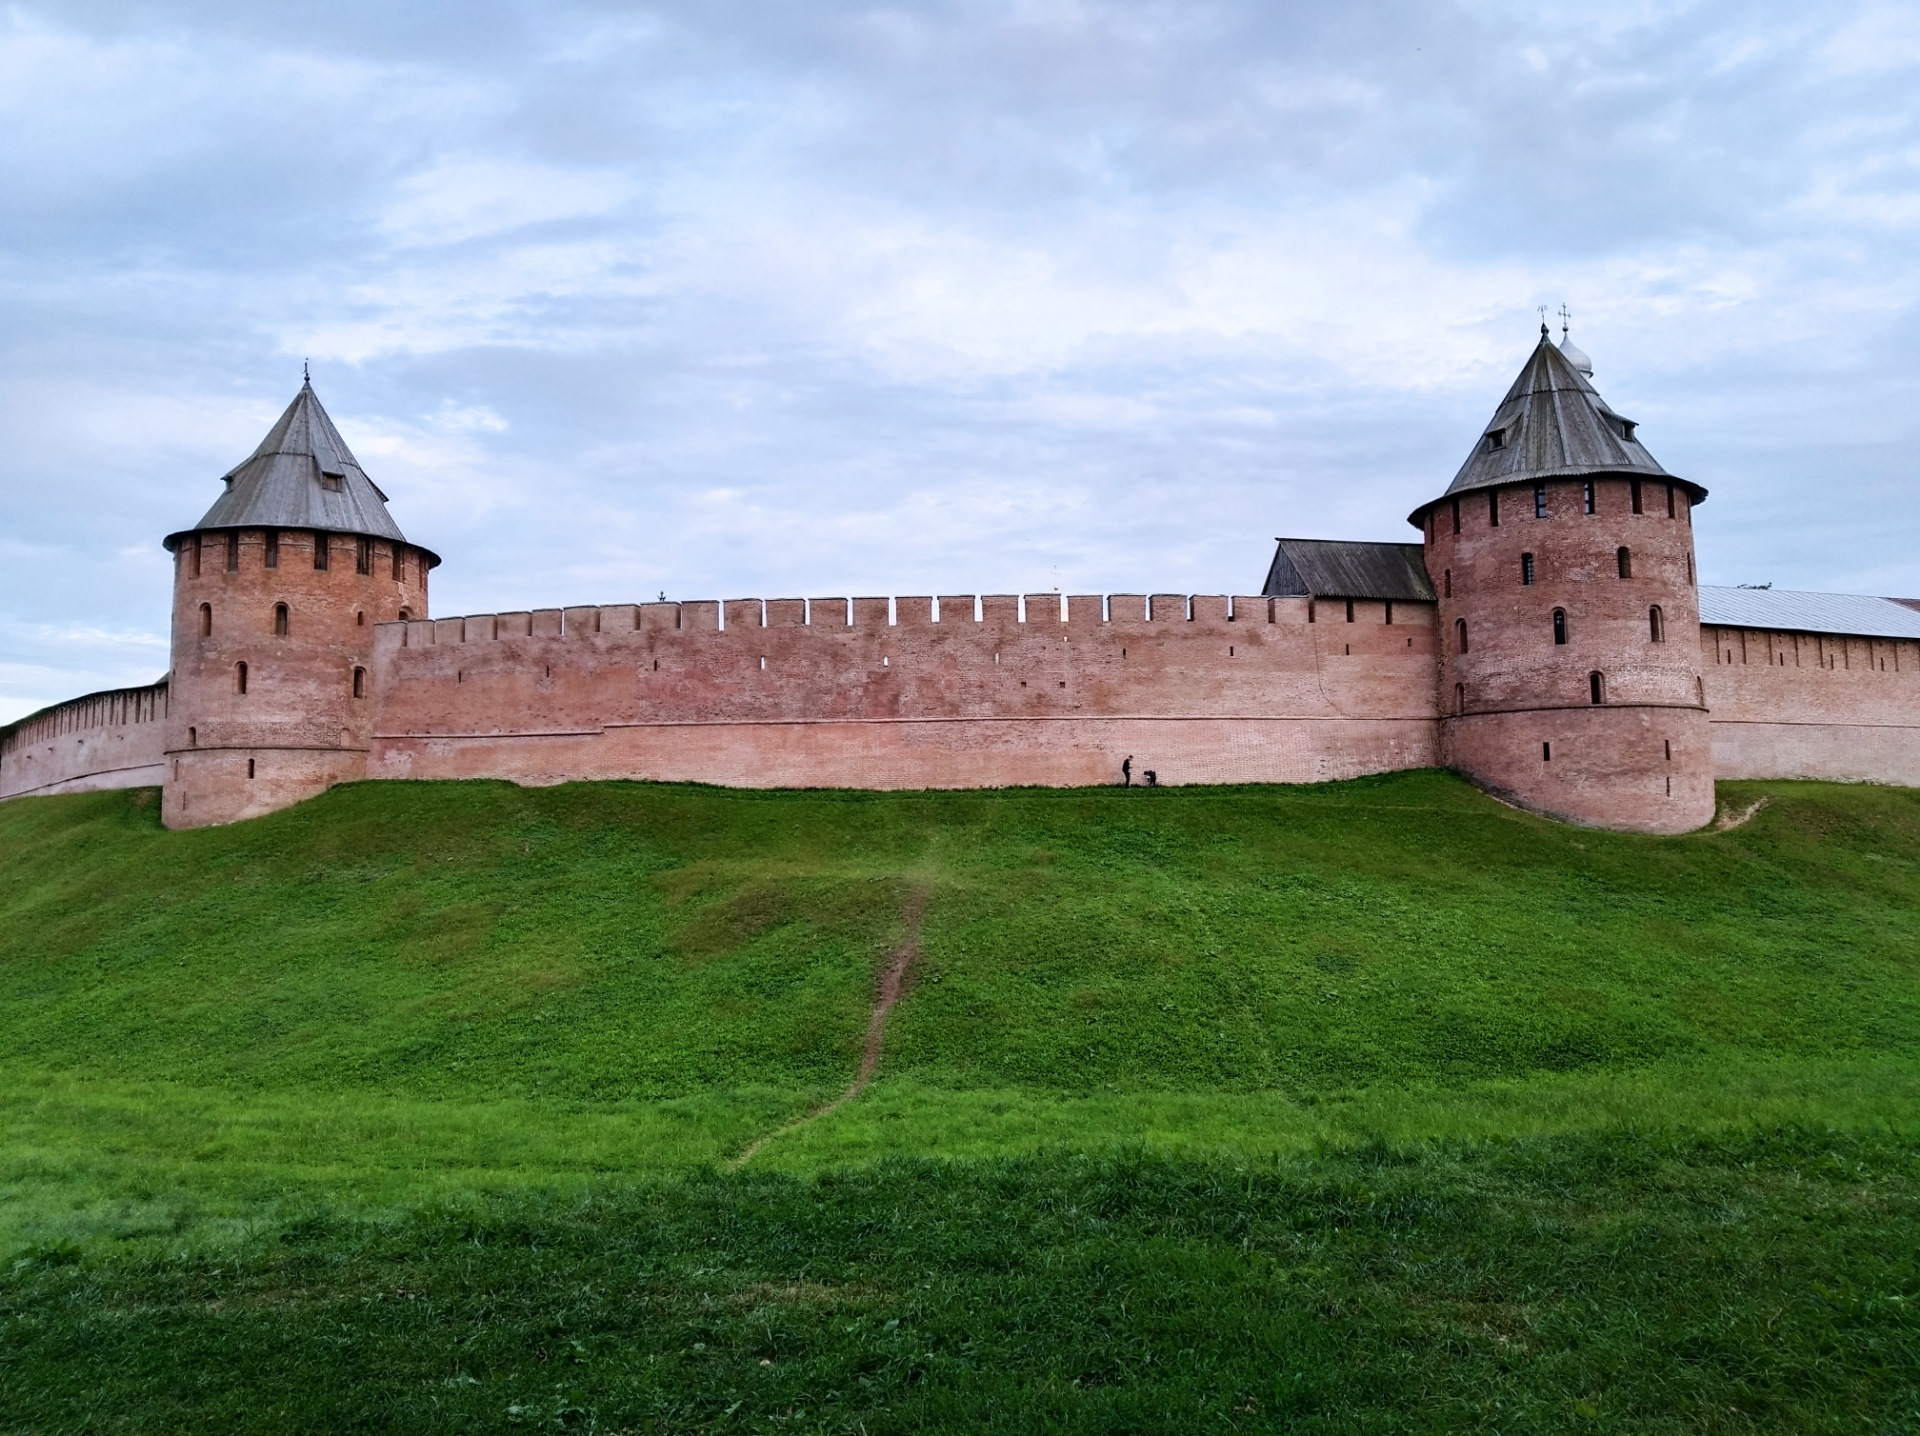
<point x="1807" y="705"/>
<point x="115" y="739"/>
<point x="911" y="692"/>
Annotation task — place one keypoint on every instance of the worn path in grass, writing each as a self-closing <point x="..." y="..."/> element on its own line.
<point x="891" y="985"/>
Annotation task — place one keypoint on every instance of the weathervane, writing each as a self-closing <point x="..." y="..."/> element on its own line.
<point x="1543" y="319"/>
<point x="306" y="373"/>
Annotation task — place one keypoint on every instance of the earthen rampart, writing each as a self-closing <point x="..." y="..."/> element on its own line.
<point x="1812" y="705"/>
<point x="912" y="692"/>
<point x="113" y="739"/>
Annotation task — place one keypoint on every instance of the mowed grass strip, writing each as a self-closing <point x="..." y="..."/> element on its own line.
<point x="1601" y="1282"/>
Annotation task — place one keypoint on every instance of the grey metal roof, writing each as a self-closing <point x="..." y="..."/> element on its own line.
<point x="303" y="476"/>
<point x="1787" y="611"/>
<point x="1332" y="568"/>
<point x="1553" y="424"/>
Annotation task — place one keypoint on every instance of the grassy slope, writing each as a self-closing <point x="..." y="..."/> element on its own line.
<point x="399" y="996"/>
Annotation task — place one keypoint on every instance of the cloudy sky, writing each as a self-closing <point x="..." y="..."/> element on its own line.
<point x="729" y="299"/>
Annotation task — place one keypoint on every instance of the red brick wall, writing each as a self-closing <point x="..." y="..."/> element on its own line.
<point x="1804" y="705"/>
<point x="105" y="740"/>
<point x="1514" y="688"/>
<point x="898" y="700"/>
<point x="298" y="724"/>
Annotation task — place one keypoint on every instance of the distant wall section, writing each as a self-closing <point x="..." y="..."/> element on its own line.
<point x="912" y="692"/>
<point x="1809" y="705"/>
<point x="115" y="739"/>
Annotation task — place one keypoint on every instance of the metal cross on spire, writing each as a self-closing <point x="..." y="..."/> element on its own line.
<point x="1566" y="318"/>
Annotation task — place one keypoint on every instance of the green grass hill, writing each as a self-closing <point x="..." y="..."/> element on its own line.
<point x="1360" y="1106"/>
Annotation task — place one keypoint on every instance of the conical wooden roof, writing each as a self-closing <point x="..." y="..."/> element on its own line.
<point x="303" y="476"/>
<point x="1553" y="424"/>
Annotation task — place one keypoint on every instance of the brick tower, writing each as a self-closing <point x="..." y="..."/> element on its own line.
<point x="275" y="594"/>
<point x="1569" y="620"/>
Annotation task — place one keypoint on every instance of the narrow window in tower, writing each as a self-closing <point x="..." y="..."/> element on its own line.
<point x="249" y="768"/>
<point x="363" y="556"/>
<point x="1526" y="569"/>
<point x="279" y="620"/>
<point x="1655" y="629"/>
<point x="273" y="548"/>
<point x="1539" y="501"/>
<point x="1636" y="497"/>
<point x="1460" y="635"/>
<point x="1587" y="496"/>
<point x="399" y="563"/>
<point x="1493" y="508"/>
<point x="1447" y="582"/>
<point x="359" y="683"/>
<point x="1459" y="698"/>
<point x="1689" y="568"/>
<point x="1669" y="785"/>
<point x="1311" y="617"/>
<point x="233" y="552"/>
<point x="1389" y="614"/>
<point x="1559" y="625"/>
<point x="406" y="615"/>
<point x="1546" y="752"/>
<point x="1669" y="743"/>
<point x="240" y="678"/>
<point x="1596" y="688"/>
<point x="1670" y="513"/>
<point x="193" y="737"/>
<point x="360" y="619"/>
<point x="319" y="550"/>
<point x="1456" y="516"/>
<point x="1349" y="610"/>
<point x="193" y="558"/>
<point x="206" y="620"/>
<point x="1623" y="557"/>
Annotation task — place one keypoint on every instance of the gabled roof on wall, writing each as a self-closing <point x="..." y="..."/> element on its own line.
<point x="1553" y="424"/>
<point x="303" y="476"/>
<point x="1785" y="610"/>
<point x="1333" y="568"/>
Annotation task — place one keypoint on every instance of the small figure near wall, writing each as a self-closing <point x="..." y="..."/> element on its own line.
<point x="1126" y="771"/>
<point x="1153" y="778"/>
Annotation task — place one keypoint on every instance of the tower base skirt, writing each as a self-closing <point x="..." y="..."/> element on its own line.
<point x="1599" y="767"/>
<point x="206" y="786"/>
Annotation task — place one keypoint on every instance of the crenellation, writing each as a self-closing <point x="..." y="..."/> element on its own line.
<point x="956" y="608"/>
<point x="741" y="613"/>
<point x="869" y="613"/>
<point x="786" y="612"/>
<point x="546" y="623"/>
<point x="1002" y="610"/>
<point x="828" y="613"/>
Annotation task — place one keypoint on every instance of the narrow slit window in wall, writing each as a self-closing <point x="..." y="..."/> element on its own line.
<point x="233" y="552"/>
<point x="1655" y="629"/>
<point x="1596" y="688"/>
<point x="193" y="737"/>
<point x="360" y="619"/>
<point x="240" y="678"/>
<point x="1526" y="569"/>
<point x="249" y="767"/>
<point x="1587" y="496"/>
<point x="1310" y="611"/>
<point x="363" y="556"/>
<point x="193" y="558"/>
<point x="1559" y="625"/>
<point x="273" y="548"/>
<point x="1349" y="610"/>
<point x="1493" y="508"/>
<point x="320" y="551"/>
<point x="279" y="620"/>
<point x="1539" y="501"/>
<point x="1448" y="582"/>
<point x="399" y="563"/>
<point x="359" y="683"/>
<point x="1389" y="613"/>
<point x="1670" y="512"/>
<point x="1669" y="743"/>
<point x="1636" y="497"/>
<point x="1623" y="558"/>
<point x="1460" y="635"/>
<point x="1459" y="698"/>
<point x="206" y="620"/>
<point x="1546" y="752"/>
